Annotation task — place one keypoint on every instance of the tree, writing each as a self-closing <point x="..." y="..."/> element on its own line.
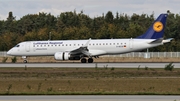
<point x="73" y="25"/>
<point x="11" y="18"/>
<point x="10" y="23"/>
<point x="109" y="17"/>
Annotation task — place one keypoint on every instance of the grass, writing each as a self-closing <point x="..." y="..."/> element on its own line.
<point x="89" y="81"/>
<point x="86" y="72"/>
<point x="93" y="86"/>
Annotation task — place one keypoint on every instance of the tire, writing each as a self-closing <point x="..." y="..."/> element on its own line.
<point x="83" y="60"/>
<point x="25" y="61"/>
<point x="90" y="60"/>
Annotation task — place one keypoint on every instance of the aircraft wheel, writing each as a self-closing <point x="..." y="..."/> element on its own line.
<point x="25" y="61"/>
<point x="90" y="60"/>
<point x="83" y="60"/>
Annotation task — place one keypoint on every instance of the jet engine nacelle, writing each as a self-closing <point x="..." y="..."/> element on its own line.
<point x="62" y="55"/>
<point x="65" y="56"/>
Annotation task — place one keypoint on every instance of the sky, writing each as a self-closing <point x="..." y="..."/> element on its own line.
<point x="93" y="8"/>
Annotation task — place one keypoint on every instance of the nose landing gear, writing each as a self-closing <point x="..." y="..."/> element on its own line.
<point x="25" y="59"/>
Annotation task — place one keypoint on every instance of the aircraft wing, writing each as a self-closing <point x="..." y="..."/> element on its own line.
<point x="82" y="50"/>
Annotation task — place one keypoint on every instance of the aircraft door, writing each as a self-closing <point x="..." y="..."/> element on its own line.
<point x="28" y="46"/>
<point x="131" y="43"/>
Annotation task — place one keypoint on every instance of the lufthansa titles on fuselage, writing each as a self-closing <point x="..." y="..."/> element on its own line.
<point x="46" y="43"/>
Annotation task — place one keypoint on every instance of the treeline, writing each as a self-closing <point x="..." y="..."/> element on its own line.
<point x="73" y="25"/>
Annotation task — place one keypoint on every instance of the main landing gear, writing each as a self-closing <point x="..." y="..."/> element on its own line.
<point x="84" y="60"/>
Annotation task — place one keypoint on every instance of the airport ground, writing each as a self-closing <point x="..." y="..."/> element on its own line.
<point x="88" y="81"/>
<point x="50" y="59"/>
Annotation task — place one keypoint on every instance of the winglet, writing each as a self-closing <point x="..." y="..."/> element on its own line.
<point x="87" y="43"/>
<point x="84" y="48"/>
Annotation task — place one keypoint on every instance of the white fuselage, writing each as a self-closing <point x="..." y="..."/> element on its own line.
<point x="95" y="47"/>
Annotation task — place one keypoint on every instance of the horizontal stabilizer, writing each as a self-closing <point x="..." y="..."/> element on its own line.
<point x="167" y="40"/>
<point x="157" y="41"/>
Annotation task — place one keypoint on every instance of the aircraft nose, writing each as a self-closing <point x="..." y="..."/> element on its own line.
<point x="9" y="52"/>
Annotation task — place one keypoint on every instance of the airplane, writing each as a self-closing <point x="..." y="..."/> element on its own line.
<point x="86" y="50"/>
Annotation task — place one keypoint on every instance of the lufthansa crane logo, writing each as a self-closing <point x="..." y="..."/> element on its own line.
<point x="158" y="26"/>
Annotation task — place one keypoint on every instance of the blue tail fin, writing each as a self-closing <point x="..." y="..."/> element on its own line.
<point x="156" y="30"/>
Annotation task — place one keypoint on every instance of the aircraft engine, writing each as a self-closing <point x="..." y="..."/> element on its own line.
<point x="62" y="56"/>
<point x="65" y="56"/>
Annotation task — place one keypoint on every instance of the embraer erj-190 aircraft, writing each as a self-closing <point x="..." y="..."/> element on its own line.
<point x="86" y="50"/>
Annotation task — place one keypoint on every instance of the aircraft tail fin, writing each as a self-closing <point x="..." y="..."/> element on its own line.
<point x="156" y="30"/>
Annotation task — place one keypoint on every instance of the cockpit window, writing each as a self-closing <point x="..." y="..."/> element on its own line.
<point x="17" y="45"/>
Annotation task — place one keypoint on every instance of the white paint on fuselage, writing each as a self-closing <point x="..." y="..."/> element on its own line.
<point x="96" y="47"/>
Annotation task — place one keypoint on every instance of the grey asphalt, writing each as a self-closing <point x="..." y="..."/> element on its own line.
<point x="90" y="65"/>
<point x="92" y="98"/>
